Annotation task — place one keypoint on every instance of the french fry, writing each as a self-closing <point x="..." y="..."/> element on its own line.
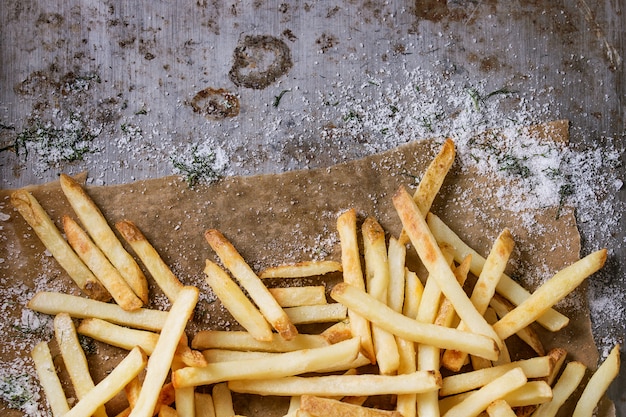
<point x="204" y="405"/>
<point x="413" y="291"/>
<point x="30" y="209"/>
<point x="74" y="358"/>
<point x="162" y="274"/>
<point x="322" y="407"/>
<point x="106" y="389"/>
<point x="598" y="384"/>
<point x="299" y="296"/>
<point x="396" y="257"/>
<point x="323" y="313"/>
<point x="558" y="357"/>
<point x="49" y="380"/>
<point x="259" y="293"/>
<point x="98" y="263"/>
<point x="236" y="302"/>
<point x="446" y="315"/>
<point x="239" y="340"/>
<point x="167" y="411"/>
<point x="338" y="332"/>
<point x="184" y="397"/>
<point x="301" y="269"/>
<point x="568" y="382"/>
<point x="160" y="361"/>
<point x="166" y="397"/>
<point x="120" y="336"/>
<point x="500" y="408"/>
<point x="222" y="401"/>
<point x="54" y="303"/>
<point x="502" y="307"/>
<point x="549" y="293"/>
<point x="96" y="225"/>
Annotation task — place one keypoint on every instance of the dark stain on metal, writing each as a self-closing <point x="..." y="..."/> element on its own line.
<point x="326" y="42"/>
<point x="215" y="104"/>
<point x="53" y="20"/>
<point x="259" y="61"/>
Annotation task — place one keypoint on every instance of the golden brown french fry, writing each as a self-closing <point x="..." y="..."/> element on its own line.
<point x="259" y="293"/>
<point x="49" y="380"/>
<point x="500" y="408"/>
<point x="322" y="407"/>
<point x="338" y="332"/>
<point x="598" y="384"/>
<point x="167" y="411"/>
<point x="502" y="307"/>
<point x="558" y="357"/>
<point x="236" y="302"/>
<point x="568" y="382"/>
<point x="166" y="397"/>
<point x="222" y="400"/>
<point x="98" y="263"/>
<point x="413" y="292"/>
<point x="323" y="313"/>
<point x="299" y="296"/>
<point x="239" y="340"/>
<point x="301" y="269"/>
<point x="51" y="237"/>
<point x="162" y="274"/>
<point x="184" y="397"/>
<point x="446" y="315"/>
<point x="204" y="405"/>
<point x="96" y="225"/>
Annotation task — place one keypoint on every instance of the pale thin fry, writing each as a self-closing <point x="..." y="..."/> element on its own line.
<point x="54" y="303"/>
<point x="413" y="292"/>
<point x="502" y="307"/>
<point x="344" y="385"/>
<point x="294" y="406"/>
<point x="568" y="382"/>
<point x="549" y="293"/>
<point x="92" y="219"/>
<point x="338" y="332"/>
<point x="302" y="269"/>
<point x="598" y="384"/>
<point x="184" y="397"/>
<point x="204" y="405"/>
<point x="222" y="400"/>
<point x="51" y="237"/>
<point x="446" y="315"/>
<point x="162" y="274"/>
<point x="119" y="336"/>
<point x="259" y="293"/>
<point x="239" y="340"/>
<point x="160" y="361"/>
<point x="505" y="356"/>
<point x="500" y="408"/>
<point x="411" y="329"/>
<point x="49" y="380"/>
<point x="114" y="382"/>
<point x="558" y="357"/>
<point x="74" y="358"/>
<point x="396" y="255"/>
<point x="226" y="355"/>
<point x="435" y="263"/>
<point x="101" y="267"/>
<point x="322" y="407"/>
<point x="507" y="287"/>
<point x="353" y="275"/>
<point x="299" y="296"/>
<point x="236" y="302"/>
<point x="275" y="366"/>
<point x="323" y="313"/>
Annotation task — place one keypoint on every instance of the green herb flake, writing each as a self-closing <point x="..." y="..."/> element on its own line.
<point x="199" y="166"/>
<point x="279" y="97"/>
<point x="15" y="390"/>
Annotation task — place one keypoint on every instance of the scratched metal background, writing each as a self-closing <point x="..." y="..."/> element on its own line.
<point x="142" y="63"/>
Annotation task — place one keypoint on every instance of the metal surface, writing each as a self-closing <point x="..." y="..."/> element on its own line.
<point x="151" y="80"/>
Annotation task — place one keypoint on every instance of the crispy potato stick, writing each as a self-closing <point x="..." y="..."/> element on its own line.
<point x="119" y="336"/>
<point x="344" y="385"/>
<point x="410" y="329"/>
<point x="106" y="389"/>
<point x="222" y="401"/>
<point x="224" y="355"/>
<point x="184" y="397"/>
<point x="204" y="405"/>
<point x="438" y="268"/>
<point x="396" y="254"/>
<point x="188" y="356"/>
<point x="432" y="180"/>
<point x="478" y="401"/>
<point x="338" y="332"/>
<point x="500" y="408"/>
<point x="507" y="287"/>
<point x="166" y="397"/>
<point x="294" y="406"/>
<point x="413" y="292"/>
<point x="276" y="366"/>
<point x="301" y="269"/>
<point x="239" y="340"/>
<point x="537" y="367"/>
<point x="167" y="411"/>
<point x="299" y="296"/>
<point x="98" y="263"/>
<point x="353" y="275"/>
<point x="323" y="407"/>
<point x="162" y="274"/>
<point x="558" y="357"/>
<point x="598" y="384"/>
<point x="567" y="383"/>
<point x="92" y="219"/>
<point x="51" y="237"/>
<point x="54" y="303"/>
<point x="502" y="307"/>
<point x="74" y="358"/>
<point x="446" y="315"/>
<point x="259" y="293"/>
<point x="236" y="302"/>
<point x="161" y="360"/>
<point x="549" y="293"/>
<point x="49" y="379"/>
<point x="132" y="390"/>
<point x="324" y="313"/>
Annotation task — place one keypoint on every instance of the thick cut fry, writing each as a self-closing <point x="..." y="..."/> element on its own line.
<point x="435" y="263"/>
<point x="549" y="293"/>
<point x="353" y="275"/>
<point x="54" y="303"/>
<point x="324" y="313"/>
<point x="301" y="269"/>
<point x="500" y="408"/>
<point x="161" y="360"/>
<point x="565" y="386"/>
<point x="222" y="401"/>
<point x="49" y="379"/>
<point x="92" y="219"/>
<point x="558" y="357"/>
<point x="106" y="389"/>
<point x="239" y="340"/>
<point x="414" y="289"/>
<point x="396" y="257"/>
<point x="119" y="336"/>
<point x="299" y="296"/>
<point x="74" y="358"/>
<point x="598" y="384"/>
<point x="343" y="385"/>
<point x="237" y="303"/>
<point x="98" y="263"/>
<point x="507" y="287"/>
<point x="204" y="405"/>
<point x="162" y="274"/>
<point x="259" y="293"/>
<point x="184" y="397"/>
<point x="51" y="237"/>
<point x="276" y="366"/>
<point x="409" y="329"/>
<point x="322" y="407"/>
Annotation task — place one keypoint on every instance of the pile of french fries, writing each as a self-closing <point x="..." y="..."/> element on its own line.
<point x="421" y="342"/>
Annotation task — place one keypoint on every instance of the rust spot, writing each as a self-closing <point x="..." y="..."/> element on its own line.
<point x="215" y="104"/>
<point x="433" y="10"/>
<point x="259" y="61"/>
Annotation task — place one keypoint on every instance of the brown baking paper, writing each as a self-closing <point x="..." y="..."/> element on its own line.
<point x="272" y="219"/>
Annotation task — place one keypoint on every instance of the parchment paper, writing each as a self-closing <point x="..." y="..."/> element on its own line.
<point x="284" y="218"/>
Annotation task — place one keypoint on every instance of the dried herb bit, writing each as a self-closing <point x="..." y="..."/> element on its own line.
<point x="279" y="97"/>
<point x="478" y="99"/>
<point x="566" y="190"/>
<point x="514" y="166"/>
<point x="15" y="391"/>
<point x="352" y="115"/>
<point x="199" y="166"/>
